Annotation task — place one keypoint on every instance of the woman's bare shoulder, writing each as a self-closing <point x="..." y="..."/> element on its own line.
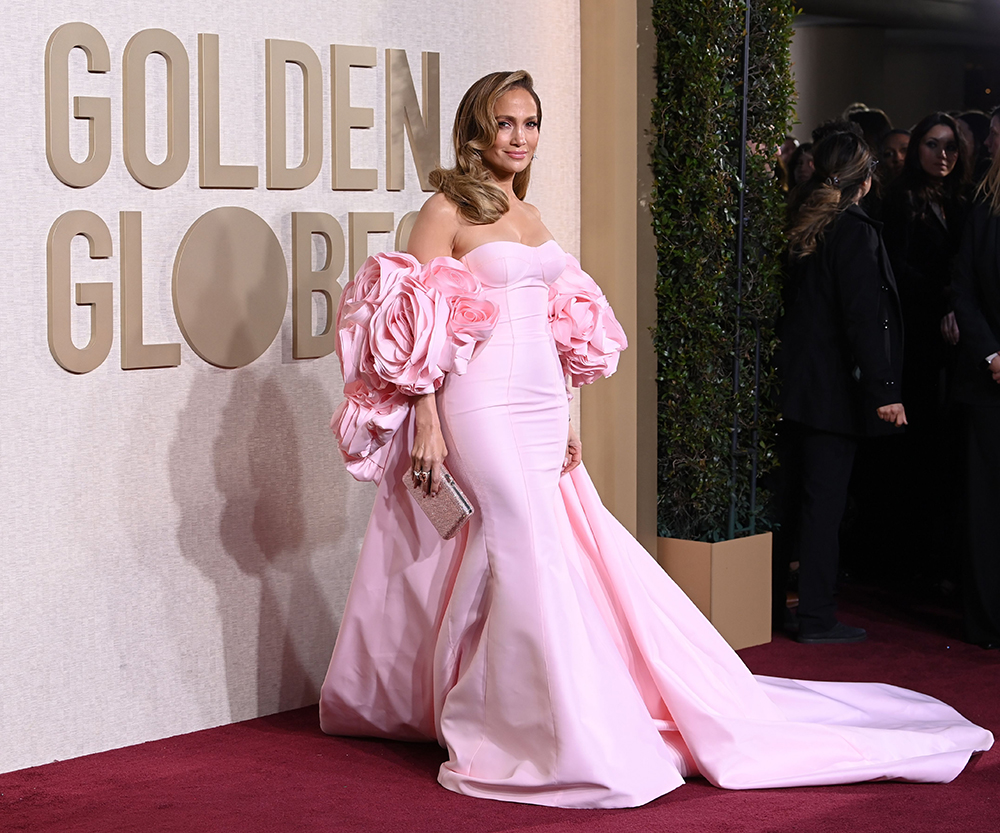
<point x="439" y="208"/>
<point x="533" y="210"/>
<point x="433" y="233"/>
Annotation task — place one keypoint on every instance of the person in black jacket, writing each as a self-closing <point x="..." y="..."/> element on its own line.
<point x="976" y="299"/>
<point x="911" y="530"/>
<point x="840" y="363"/>
<point x="924" y="214"/>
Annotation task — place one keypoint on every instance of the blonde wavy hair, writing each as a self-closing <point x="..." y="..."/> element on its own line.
<point x="842" y="163"/>
<point x="470" y="185"/>
<point x="989" y="189"/>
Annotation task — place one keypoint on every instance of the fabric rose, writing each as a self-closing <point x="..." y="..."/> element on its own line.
<point x="450" y="277"/>
<point x="370" y="285"/>
<point x="358" y="302"/>
<point x="400" y="328"/>
<point x="407" y="336"/>
<point x="470" y="325"/>
<point x="471" y="320"/>
<point x="356" y="360"/>
<point x="587" y="334"/>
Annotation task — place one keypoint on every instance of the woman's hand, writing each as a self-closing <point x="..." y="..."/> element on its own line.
<point x="949" y="329"/>
<point x="574" y="451"/>
<point x="429" y="449"/>
<point x="995" y="369"/>
<point x="893" y="413"/>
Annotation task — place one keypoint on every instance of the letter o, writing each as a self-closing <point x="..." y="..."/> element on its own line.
<point x="230" y="286"/>
<point x="139" y="48"/>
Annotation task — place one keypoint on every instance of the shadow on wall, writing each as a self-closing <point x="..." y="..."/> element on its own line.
<point x="256" y="523"/>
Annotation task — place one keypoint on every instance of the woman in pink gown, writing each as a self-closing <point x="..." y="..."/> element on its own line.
<point x="542" y="646"/>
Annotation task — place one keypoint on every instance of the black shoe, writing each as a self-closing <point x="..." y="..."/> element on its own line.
<point x="839" y="634"/>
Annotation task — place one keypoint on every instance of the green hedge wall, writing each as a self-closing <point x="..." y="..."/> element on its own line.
<point x="696" y="143"/>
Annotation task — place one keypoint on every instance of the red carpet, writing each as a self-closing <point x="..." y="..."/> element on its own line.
<point x="280" y="773"/>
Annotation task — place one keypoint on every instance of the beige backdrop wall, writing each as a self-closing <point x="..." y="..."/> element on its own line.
<point x="176" y="544"/>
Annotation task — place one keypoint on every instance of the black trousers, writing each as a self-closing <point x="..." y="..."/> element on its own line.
<point x="817" y="472"/>
<point x="982" y="566"/>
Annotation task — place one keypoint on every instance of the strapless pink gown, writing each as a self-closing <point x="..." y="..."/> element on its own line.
<point x="547" y="651"/>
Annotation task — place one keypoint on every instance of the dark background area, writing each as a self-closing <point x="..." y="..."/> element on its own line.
<point x="907" y="57"/>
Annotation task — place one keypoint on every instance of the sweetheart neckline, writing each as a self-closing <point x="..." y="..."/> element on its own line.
<point x="511" y="242"/>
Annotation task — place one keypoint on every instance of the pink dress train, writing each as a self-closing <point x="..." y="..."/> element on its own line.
<point x="546" y="650"/>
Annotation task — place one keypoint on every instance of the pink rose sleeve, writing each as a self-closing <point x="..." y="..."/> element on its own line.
<point x="587" y="334"/>
<point x="401" y="327"/>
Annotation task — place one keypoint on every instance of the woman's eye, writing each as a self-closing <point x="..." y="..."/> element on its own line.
<point x="532" y="124"/>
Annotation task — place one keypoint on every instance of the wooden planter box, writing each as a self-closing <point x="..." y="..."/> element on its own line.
<point x="730" y="582"/>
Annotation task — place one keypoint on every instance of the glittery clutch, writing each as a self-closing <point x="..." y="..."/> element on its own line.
<point x="448" y="510"/>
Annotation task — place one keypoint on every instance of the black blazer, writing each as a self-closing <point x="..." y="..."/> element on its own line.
<point x="841" y="335"/>
<point x="976" y="298"/>
<point x="922" y="251"/>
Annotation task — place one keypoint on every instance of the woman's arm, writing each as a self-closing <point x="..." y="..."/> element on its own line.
<point x="429" y="449"/>
<point x="860" y="285"/>
<point x="433" y="235"/>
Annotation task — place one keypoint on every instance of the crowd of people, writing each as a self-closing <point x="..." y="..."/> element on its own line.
<point x="890" y="333"/>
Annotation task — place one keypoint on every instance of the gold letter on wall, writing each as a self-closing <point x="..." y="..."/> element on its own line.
<point x="97" y="111"/>
<point x="278" y="53"/>
<point x="139" y="48"/>
<point x="359" y="225"/>
<point x="343" y="117"/>
<point x="96" y="295"/>
<point x="212" y="173"/>
<point x="136" y="354"/>
<point x="305" y="282"/>
<point x="230" y="286"/>
<point x="401" y="108"/>
<point x="403" y="230"/>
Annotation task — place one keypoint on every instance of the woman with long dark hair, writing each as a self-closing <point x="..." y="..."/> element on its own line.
<point x="924" y="214"/>
<point x="840" y="361"/>
<point x="894" y="146"/>
<point x="541" y="645"/>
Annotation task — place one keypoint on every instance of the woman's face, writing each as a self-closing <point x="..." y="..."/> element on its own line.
<point x="804" y="167"/>
<point x="517" y="134"/>
<point x="894" y="154"/>
<point x="938" y="151"/>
